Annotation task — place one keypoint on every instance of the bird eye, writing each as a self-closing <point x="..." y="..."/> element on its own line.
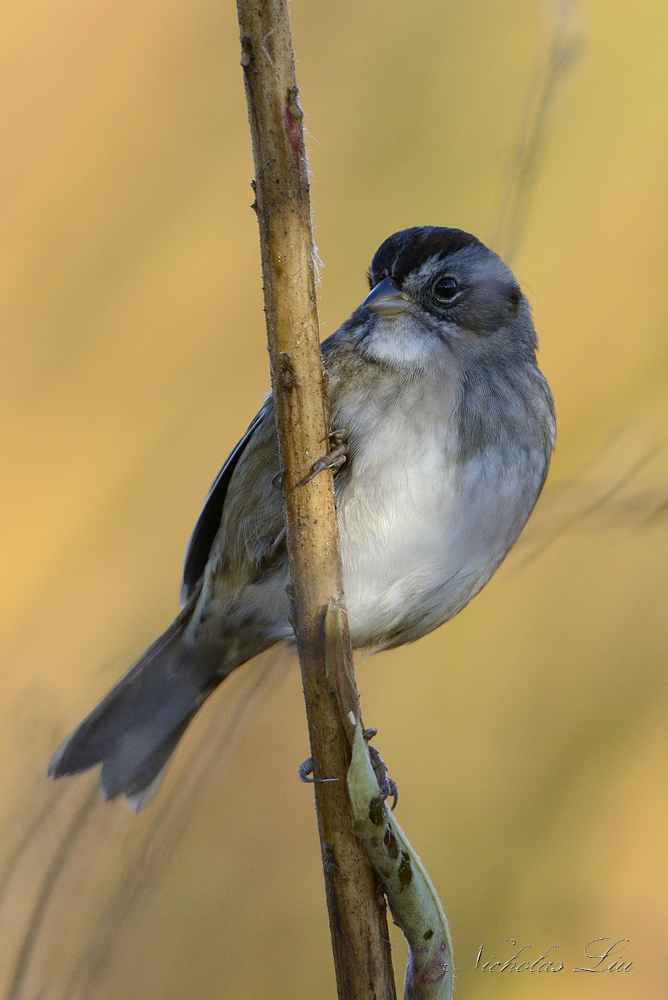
<point x="445" y="289"/>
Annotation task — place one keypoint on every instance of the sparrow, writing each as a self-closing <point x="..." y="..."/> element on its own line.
<point x="449" y="430"/>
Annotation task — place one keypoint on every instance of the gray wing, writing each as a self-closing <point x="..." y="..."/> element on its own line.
<point x="208" y="522"/>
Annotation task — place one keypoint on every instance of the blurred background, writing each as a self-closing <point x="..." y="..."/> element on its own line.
<point x="529" y="735"/>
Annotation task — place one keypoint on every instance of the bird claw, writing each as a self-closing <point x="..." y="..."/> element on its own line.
<point x="307" y="768"/>
<point x="334" y="458"/>
<point x="277" y="481"/>
<point x="275" y="551"/>
<point x="387" y="786"/>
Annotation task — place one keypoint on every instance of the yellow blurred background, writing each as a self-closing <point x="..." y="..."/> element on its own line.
<point x="528" y="736"/>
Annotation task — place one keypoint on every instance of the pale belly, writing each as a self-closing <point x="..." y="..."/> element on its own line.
<point x="419" y="539"/>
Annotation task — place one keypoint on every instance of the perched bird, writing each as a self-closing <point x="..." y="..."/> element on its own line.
<point x="449" y="430"/>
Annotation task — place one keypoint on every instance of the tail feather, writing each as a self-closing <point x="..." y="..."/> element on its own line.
<point x="138" y="800"/>
<point x="135" y="728"/>
<point x="143" y="753"/>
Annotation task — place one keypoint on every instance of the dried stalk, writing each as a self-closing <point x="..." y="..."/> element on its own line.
<point x="413" y="901"/>
<point x="356" y="909"/>
<point x="415" y="906"/>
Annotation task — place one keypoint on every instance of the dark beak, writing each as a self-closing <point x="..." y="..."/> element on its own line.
<point x="387" y="299"/>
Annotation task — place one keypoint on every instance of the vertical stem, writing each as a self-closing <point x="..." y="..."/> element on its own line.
<point x="356" y="909"/>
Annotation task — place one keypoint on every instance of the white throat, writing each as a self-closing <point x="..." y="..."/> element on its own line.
<point x="403" y="342"/>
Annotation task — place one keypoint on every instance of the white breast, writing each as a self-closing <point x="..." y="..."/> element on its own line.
<point x="420" y="532"/>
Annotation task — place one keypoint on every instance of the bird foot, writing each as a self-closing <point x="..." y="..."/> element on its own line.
<point x="388" y="787"/>
<point x="307" y="768"/>
<point x="334" y="458"/>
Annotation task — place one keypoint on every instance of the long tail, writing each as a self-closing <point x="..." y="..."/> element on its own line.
<point x="135" y="728"/>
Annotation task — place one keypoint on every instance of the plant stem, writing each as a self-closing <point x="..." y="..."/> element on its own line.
<point x="357" y="918"/>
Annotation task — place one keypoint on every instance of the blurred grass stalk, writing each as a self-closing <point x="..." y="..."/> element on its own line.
<point x="567" y="44"/>
<point x="357" y="913"/>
